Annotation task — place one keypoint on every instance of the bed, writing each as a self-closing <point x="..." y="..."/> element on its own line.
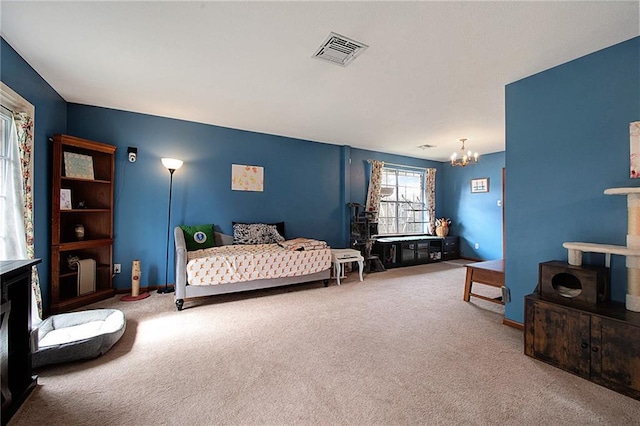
<point x="229" y="268"/>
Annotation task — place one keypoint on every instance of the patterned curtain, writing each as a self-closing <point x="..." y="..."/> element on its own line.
<point x="431" y="199"/>
<point x="375" y="184"/>
<point x="24" y="127"/>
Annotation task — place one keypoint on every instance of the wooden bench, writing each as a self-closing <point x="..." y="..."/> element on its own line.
<point x="490" y="273"/>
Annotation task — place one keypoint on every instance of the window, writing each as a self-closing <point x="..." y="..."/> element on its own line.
<point x="15" y="243"/>
<point x="403" y="207"/>
<point x="16" y="188"/>
<point x="5" y="128"/>
<point x="10" y="192"/>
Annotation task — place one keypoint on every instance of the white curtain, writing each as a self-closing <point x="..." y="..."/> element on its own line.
<point x="12" y="231"/>
<point x="16" y="184"/>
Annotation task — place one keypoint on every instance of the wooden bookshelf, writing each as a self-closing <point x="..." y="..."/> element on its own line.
<point x="91" y="206"/>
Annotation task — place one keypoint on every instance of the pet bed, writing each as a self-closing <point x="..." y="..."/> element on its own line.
<point x="76" y="336"/>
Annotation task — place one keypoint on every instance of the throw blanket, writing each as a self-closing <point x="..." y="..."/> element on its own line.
<point x="303" y="244"/>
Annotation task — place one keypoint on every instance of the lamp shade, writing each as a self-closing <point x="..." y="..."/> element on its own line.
<point x="171" y="163"/>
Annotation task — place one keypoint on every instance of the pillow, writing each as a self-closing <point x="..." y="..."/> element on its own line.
<point x="256" y="233"/>
<point x="198" y="237"/>
<point x="279" y="226"/>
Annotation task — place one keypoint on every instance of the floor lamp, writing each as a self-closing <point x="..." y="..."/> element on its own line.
<point x="172" y="165"/>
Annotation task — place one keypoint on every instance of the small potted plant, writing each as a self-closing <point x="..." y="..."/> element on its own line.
<point x="442" y="226"/>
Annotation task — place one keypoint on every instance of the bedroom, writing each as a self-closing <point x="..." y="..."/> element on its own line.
<point x="550" y="154"/>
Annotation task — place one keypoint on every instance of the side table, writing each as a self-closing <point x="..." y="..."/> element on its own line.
<point x="490" y="272"/>
<point x="340" y="256"/>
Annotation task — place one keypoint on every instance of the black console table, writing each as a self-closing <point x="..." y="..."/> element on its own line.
<point x="416" y="249"/>
<point x="17" y="380"/>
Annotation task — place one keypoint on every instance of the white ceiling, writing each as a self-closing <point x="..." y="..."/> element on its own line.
<point x="434" y="72"/>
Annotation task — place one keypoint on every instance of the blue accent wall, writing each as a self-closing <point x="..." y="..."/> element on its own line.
<point x="307" y="184"/>
<point x="50" y="118"/>
<point x="303" y="183"/>
<point x="567" y="140"/>
<point x="475" y="218"/>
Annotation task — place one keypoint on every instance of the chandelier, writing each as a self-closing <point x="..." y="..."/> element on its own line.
<point x="466" y="159"/>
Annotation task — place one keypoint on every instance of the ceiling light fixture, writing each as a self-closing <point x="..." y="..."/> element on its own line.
<point x="466" y="159"/>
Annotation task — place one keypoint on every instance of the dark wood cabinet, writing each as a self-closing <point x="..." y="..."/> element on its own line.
<point x="17" y="378"/>
<point x="415" y="250"/>
<point x="451" y="248"/>
<point x="91" y="207"/>
<point x="615" y="354"/>
<point x="601" y="344"/>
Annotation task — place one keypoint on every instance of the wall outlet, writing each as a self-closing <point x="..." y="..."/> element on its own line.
<point x="116" y="268"/>
<point x="476" y="246"/>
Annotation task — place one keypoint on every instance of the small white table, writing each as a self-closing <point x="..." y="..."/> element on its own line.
<point x="340" y="256"/>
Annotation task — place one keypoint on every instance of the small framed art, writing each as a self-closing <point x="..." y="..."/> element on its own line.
<point x="480" y="185"/>
<point x="78" y="166"/>
<point x="247" y="178"/>
<point x="65" y="199"/>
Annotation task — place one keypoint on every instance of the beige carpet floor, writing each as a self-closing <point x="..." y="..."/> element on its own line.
<point x="399" y="348"/>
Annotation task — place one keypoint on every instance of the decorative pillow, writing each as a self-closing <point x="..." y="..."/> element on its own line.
<point x="255" y="233"/>
<point x="279" y="227"/>
<point x="198" y="237"/>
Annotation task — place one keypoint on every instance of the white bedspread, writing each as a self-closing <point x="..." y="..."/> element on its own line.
<point x="239" y="263"/>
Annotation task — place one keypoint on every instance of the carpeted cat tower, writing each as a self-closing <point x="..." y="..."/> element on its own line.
<point x="631" y="250"/>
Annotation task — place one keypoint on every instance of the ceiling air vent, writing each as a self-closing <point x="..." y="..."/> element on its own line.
<point x="339" y="50"/>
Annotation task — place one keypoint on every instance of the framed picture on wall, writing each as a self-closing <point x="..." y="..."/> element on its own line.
<point x="247" y="178"/>
<point x="480" y="185"/>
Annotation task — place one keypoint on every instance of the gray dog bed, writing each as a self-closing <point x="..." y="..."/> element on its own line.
<point x="77" y="335"/>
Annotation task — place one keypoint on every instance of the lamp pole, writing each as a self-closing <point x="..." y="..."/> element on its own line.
<point x="166" y="289"/>
<point x="172" y="165"/>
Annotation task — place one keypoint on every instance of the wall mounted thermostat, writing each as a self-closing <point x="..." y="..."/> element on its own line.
<point x="132" y="154"/>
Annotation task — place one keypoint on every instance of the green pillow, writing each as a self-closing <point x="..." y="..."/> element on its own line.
<point x="198" y="237"/>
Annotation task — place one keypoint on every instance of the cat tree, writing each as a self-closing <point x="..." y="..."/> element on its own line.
<point x="631" y="250"/>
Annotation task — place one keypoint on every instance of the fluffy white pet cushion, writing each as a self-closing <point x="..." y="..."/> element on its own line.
<point x="77" y="335"/>
<point x="82" y="331"/>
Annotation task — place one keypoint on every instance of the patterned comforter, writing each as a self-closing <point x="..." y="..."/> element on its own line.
<point x="239" y="263"/>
